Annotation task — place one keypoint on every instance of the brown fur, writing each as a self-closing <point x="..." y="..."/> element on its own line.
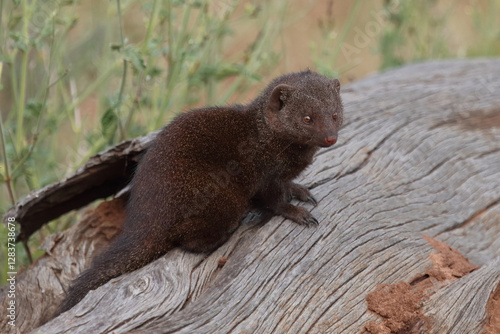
<point x="210" y="165"/>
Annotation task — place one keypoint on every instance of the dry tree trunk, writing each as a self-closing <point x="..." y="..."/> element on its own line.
<point x="408" y="241"/>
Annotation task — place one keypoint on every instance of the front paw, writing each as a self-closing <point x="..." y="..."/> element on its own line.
<point x="299" y="215"/>
<point x="301" y="193"/>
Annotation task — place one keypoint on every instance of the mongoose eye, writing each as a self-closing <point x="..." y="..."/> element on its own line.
<point x="307" y="119"/>
<point x="334" y="116"/>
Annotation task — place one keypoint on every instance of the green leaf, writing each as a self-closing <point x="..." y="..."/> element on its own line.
<point x="115" y="46"/>
<point x="19" y="41"/>
<point x="109" y="123"/>
<point x="133" y="55"/>
<point x="154" y="71"/>
<point x="68" y="2"/>
<point x="34" y="108"/>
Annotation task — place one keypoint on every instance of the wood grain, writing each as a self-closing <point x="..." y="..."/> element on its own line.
<point x="419" y="155"/>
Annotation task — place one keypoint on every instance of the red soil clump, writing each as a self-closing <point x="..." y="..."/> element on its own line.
<point x="399" y="305"/>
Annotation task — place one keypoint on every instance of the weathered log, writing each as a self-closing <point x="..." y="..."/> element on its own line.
<point x="40" y="289"/>
<point x="102" y="176"/>
<point x="415" y="173"/>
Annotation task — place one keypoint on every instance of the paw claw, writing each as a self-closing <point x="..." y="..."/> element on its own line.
<point x="301" y="193"/>
<point x="310" y="221"/>
<point x="312" y="200"/>
<point x="298" y="214"/>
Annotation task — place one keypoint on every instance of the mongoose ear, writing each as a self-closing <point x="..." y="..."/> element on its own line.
<point x="279" y="96"/>
<point x="335" y="85"/>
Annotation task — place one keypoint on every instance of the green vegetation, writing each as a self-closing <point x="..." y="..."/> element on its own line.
<point x="419" y="30"/>
<point x="77" y="77"/>
<point x="416" y="32"/>
<point x="327" y="50"/>
<point x="485" y="24"/>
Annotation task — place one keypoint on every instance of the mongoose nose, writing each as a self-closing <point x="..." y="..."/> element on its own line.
<point x="330" y="140"/>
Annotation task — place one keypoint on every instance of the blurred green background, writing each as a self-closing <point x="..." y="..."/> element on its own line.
<point x="79" y="76"/>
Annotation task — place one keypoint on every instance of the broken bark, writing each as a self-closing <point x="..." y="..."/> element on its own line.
<point x="418" y="156"/>
<point x="102" y="176"/>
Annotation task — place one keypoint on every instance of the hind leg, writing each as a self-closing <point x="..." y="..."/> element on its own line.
<point x="213" y="224"/>
<point x="204" y="238"/>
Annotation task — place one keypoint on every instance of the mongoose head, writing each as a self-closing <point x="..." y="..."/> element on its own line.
<point x="306" y="109"/>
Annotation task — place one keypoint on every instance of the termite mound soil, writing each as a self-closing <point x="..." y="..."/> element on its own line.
<point x="492" y="325"/>
<point x="399" y="305"/>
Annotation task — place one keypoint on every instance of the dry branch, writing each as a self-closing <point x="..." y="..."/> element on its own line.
<point x="102" y="176"/>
